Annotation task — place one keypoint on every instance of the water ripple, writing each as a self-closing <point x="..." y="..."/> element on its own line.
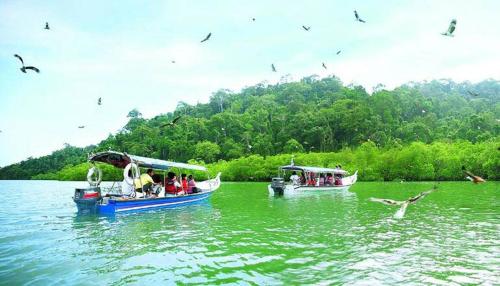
<point x="245" y="237"/>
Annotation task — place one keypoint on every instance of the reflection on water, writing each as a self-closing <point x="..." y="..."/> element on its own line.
<point x="244" y="236"/>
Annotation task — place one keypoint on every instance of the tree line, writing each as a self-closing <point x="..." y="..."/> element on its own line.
<point x="311" y="116"/>
<point x="438" y="161"/>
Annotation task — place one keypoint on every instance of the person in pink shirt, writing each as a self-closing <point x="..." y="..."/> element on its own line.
<point x="192" y="185"/>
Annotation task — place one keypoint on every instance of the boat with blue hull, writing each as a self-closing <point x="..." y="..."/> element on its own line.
<point x="115" y="206"/>
<point x="107" y="201"/>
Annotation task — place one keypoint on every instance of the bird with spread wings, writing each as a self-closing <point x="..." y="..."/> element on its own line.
<point x="451" y="28"/>
<point x="473" y="178"/>
<point x="404" y="204"/>
<point x="172" y="123"/>
<point x="24" y="68"/>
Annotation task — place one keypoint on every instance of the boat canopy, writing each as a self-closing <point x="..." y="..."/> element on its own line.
<point x="335" y="171"/>
<point x="121" y="160"/>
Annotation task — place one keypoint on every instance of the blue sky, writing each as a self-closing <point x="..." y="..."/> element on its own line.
<point x="122" y="51"/>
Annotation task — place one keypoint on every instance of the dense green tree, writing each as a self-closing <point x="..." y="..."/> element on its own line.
<point x="293" y="146"/>
<point x="207" y="151"/>
<point x="320" y="115"/>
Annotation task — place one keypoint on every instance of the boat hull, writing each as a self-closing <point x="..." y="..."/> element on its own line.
<point x="290" y="189"/>
<point x="116" y="206"/>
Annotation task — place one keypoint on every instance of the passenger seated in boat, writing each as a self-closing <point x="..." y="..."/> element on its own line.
<point x="303" y="180"/>
<point x="312" y="180"/>
<point x="184" y="183"/>
<point x="158" y="184"/>
<point x="338" y="180"/>
<point x="172" y="186"/>
<point x="192" y="185"/>
<point x="295" y="179"/>
<point x="321" y="180"/>
<point x="145" y="182"/>
<point x="128" y="191"/>
<point x="329" y="179"/>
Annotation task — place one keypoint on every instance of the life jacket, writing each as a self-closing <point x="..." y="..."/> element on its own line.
<point x="185" y="184"/>
<point x="338" y="181"/>
<point x="170" y="187"/>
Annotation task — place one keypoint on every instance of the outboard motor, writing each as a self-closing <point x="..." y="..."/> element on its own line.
<point x="278" y="186"/>
<point x="87" y="199"/>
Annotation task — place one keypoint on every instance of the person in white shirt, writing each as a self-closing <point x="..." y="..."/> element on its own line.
<point x="127" y="189"/>
<point x="295" y="179"/>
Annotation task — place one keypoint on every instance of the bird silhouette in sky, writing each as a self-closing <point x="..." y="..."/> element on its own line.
<point x="358" y="18"/>
<point x="99" y="101"/>
<point x="338" y="52"/>
<point x="206" y="38"/>
<point x="24" y="68"/>
<point x="324" y="66"/>
<point x="81" y="126"/>
<point x="451" y="28"/>
<point x="273" y="67"/>
<point x="306" y="28"/>
<point x="47" y="26"/>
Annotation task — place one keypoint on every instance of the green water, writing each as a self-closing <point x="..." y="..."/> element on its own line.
<point x="243" y="236"/>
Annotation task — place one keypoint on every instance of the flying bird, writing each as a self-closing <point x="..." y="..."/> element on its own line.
<point x="306" y="28"/>
<point x="99" y="101"/>
<point x="24" y="68"/>
<point x="324" y="66"/>
<point x="206" y="38"/>
<point x="451" y="28"/>
<point x="19" y="57"/>
<point x="473" y="93"/>
<point x="358" y="18"/>
<point x="338" y="52"/>
<point x="473" y="178"/>
<point x="47" y="26"/>
<point x="81" y="126"/>
<point x="172" y="61"/>
<point x="404" y="204"/>
<point x="172" y="123"/>
<point x="273" y="67"/>
<point x="253" y="19"/>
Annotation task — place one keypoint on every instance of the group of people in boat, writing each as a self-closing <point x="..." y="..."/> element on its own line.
<point x="152" y="184"/>
<point x="316" y="180"/>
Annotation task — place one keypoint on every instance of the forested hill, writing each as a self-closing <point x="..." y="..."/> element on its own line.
<point x="311" y="115"/>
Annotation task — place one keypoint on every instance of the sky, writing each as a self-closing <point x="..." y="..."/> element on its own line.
<point x="122" y="51"/>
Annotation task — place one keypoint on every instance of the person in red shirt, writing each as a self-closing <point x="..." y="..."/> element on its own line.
<point x="312" y="180"/>
<point x="184" y="183"/>
<point x="172" y="186"/>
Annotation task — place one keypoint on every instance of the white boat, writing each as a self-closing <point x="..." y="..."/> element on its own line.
<point x="312" y="179"/>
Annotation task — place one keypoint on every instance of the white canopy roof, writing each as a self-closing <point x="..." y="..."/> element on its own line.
<point x="121" y="160"/>
<point x="314" y="169"/>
